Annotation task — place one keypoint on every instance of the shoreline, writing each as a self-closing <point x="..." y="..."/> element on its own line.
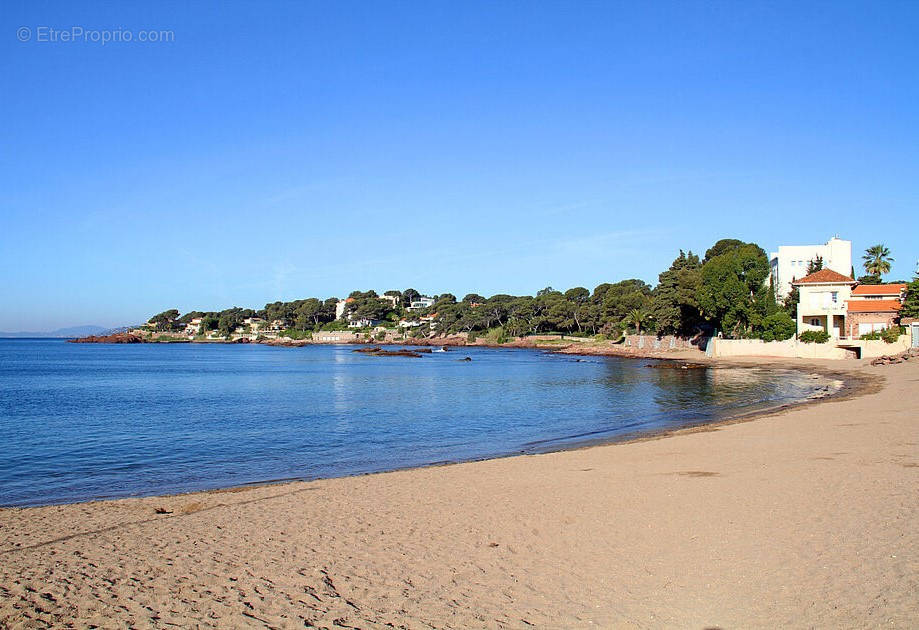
<point x="849" y="386"/>
<point x="802" y="518"/>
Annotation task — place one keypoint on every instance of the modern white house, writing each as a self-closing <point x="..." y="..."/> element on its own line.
<point x="790" y="262"/>
<point x="421" y="303"/>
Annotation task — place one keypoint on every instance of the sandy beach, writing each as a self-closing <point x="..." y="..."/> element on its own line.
<point x="802" y="518"/>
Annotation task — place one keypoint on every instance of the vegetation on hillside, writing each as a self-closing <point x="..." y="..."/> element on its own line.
<point x="726" y="291"/>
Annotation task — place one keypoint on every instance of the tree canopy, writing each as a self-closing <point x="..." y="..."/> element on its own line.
<point x="675" y="302"/>
<point x="911" y="303"/>
<point x="726" y="290"/>
<point x="733" y="293"/>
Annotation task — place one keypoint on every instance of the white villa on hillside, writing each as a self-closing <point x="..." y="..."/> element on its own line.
<point x="192" y="327"/>
<point x="255" y="323"/>
<point x="790" y="262"/>
<point x="421" y="302"/>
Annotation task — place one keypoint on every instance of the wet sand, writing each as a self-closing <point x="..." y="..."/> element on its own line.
<point x="803" y="518"/>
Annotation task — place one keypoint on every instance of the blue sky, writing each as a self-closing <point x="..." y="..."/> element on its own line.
<point x="285" y="150"/>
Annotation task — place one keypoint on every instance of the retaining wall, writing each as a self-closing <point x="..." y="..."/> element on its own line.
<point x="794" y="349"/>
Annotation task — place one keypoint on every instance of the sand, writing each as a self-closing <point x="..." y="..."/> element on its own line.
<point x="803" y="518"/>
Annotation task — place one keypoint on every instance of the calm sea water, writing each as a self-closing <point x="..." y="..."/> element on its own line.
<point x="85" y="421"/>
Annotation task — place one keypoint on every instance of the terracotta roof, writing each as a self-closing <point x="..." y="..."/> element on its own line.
<point x="873" y="306"/>
<point x="879" y="289"/>
<point x="824" y="276"/>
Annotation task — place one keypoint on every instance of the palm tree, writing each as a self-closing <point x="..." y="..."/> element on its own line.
<point x="636" y="316"/>
<point x="877" y="260"/>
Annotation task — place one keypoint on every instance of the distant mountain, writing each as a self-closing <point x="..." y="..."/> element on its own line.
<point x="73" y="331"/>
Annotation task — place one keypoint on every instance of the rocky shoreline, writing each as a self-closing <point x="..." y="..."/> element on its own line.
<point x="115" y="338"/>
<point x="580" y="348"/>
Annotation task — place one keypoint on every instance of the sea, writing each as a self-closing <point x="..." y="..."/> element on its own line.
<point x="80" y="422"/>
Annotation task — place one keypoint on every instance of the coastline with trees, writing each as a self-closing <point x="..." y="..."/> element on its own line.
<point x="727" y="292"/>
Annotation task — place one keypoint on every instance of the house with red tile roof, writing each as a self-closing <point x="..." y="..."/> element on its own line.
<point x="894" y="291"/>
<point x="874" y="307"/>
<point x="824" y="296"/>
<point x="837" y="304"/>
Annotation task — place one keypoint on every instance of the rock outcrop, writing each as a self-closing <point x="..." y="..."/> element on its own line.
<point x="116" y="338"/>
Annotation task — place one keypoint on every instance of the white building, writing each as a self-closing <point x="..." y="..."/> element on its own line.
<point x="790" y="262"/>
<point x="340" y="308"/>
<point x="192" y="327"/>
<point x="363" y="322"/>
<point x="421" y="303"/>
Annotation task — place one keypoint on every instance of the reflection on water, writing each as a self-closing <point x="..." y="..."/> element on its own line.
<point x="725" y="391"/>
<point x="88" y="421"/>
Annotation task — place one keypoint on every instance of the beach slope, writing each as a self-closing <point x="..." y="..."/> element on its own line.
<point x="802" y="518"/>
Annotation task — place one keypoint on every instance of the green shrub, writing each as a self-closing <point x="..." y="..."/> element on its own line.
<point x="496" y="335"/>
<point x="778" y="327"/>
<point x="889" y="335"/>
<point x="892" y="334"/>
<point x="814" y="336"/>
<point x="170" y="339"/>
<point x="296" y="334"/>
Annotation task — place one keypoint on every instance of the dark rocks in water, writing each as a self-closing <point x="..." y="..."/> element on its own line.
<point x="445" y="348"/>
<point x="671" y="365"/>
<point x="397" y="353"/>
<point x="421" y="350"/>
<point x="466" y="359"/>
<point x="380" y="352"/>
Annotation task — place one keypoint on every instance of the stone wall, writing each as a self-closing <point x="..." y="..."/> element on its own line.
<point x="652" y="342"/>
<point x="336" y="337"/>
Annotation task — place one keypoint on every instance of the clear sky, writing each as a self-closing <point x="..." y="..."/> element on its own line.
<point x="286" y="150"/>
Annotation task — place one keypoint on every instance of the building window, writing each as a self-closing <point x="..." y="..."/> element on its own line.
<point x="835" y="297"/>
<point x="815" y="322"/>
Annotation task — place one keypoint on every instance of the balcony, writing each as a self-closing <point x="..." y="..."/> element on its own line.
<point x="823" y="309"/>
